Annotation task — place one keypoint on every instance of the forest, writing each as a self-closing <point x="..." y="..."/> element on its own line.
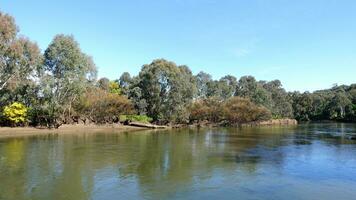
<point x="60" y="86"/>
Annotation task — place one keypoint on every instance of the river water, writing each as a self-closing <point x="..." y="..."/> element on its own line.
<point x="308" y="161"/>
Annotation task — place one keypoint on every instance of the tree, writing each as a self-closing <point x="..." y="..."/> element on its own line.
<point x="20" y="59"/>
<point x="69" y="73"/>
<point x="15" y="113"/>
<point x="202" y="79"/>
<point x="248" y="87"/>
<point x="167" y="89"/>
<point x="280" y="104"/>
<point x="125" y="82"/>
<point x="104" y="84"/>
<point x="338" y="106"/>
<point x="140" y="104"/>
<point x="228" y="86"/>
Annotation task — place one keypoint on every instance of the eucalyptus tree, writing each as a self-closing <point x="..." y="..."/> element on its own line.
<point x="167" y="89"/>
<point x="228" y="86"/>
<point x="69" y="72"/>
<point x="20" y="59"/>
<point x="20" y="65"/>
<point x="280" y="105"/>
<point x="339" y="106"/>
<point x="202" y="81"/>
<point x="103" y="83"/>
<point x="125" y="81"/>
<point x="248" y="87"/>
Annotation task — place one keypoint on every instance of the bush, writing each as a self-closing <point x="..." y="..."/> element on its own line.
<point x="135" y="118"/>
<point x="206" y="109"/>
<point x="16" y="113"/>
<point x="241" y="110"/>
<point x="103" y="107"/>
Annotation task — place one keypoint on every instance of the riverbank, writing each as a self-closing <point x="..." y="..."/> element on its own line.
<point x="6" y="132"/>
<point x="271" y="122"/>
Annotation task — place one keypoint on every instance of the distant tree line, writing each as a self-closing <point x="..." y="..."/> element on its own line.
<point x="60" y="86"/>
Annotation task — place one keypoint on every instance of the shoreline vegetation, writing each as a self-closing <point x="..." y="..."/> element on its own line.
<point x="60" y="87"/>
<point x="13" y="132"/>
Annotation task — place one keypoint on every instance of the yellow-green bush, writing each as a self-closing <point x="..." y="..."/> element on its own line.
<point x="15" y="113"/>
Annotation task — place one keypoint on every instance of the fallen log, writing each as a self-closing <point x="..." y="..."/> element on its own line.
<point x="143" y="125"/>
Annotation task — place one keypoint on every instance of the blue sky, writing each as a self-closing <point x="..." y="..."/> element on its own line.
<point x="307" y="44"/>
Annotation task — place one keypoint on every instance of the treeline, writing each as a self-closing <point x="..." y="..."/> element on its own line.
<point x="60" y="86"/>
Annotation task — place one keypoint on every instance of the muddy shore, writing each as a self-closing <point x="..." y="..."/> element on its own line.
<point x="6" y="132"/>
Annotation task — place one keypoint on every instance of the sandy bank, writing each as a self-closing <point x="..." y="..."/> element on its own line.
<point x="6" y="132"/>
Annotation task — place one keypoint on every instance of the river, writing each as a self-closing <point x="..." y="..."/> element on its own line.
<point x="308" y="161"/>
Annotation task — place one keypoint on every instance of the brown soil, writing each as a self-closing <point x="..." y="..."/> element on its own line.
<point x="6" y="132"/>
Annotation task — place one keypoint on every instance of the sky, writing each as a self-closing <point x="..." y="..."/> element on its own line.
<point x="307" y="44"/>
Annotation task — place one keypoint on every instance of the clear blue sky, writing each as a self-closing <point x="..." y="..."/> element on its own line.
<point x="307" y="44"/>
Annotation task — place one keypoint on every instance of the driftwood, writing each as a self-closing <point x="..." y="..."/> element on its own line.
<point x="143" y="125"/>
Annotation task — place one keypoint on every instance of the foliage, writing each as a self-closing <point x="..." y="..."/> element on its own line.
<point x="60" y="86"/>
<point x="70" y="72"/>
<point x="114" y="87"/>
<point x="336" y="103"/>
<point x="125" y="81"/>
<point x="135" y="118"/>
<point x="100" y="106"/>
<point x="234" y="110"/>
<point x="15" y="113"/>
<point x="20" y="59"/>
<point x="166" y="89"/>
<point x="240" y="110"/>
<point x="206" y="109"/>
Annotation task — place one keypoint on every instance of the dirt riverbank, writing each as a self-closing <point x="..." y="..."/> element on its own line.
<point x="6" y="132"/>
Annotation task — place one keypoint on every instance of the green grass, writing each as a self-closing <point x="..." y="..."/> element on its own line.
<point x="136" y="118"/>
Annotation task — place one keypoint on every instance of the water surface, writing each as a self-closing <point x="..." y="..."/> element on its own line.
<point x="308" y="161"/>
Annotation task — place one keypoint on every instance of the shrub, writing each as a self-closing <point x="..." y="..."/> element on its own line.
<point x="104" y="107"/>
<point x="206" y="109"/>
<point x="135" y="118"/>
<point x="240" y="110"/>
<point x="16" y="113"/>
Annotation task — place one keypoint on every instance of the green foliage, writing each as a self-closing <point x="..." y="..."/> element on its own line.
<point x="125" y="82"/>
<point x="114" y="87"/>
<point x="166" y="89"/>
<point x="70" y="71"/>
<point x="20" y="59"/>
<point x="135" y="118"/>
<point x="15" y="113"/>
<point x="60" y="87"/>
<point x="332" y="104"/>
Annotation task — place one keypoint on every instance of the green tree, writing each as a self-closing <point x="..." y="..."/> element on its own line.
<point x="248" y="87"/>
<point x="167" y="89"/>
<point x="339" y="105"/>
<point x="104" y="84"/>
<point x="125" y="81"/>
<point x="280" y="105"/>
<point x="70" y="72"/>
<point x="202" y="80"/>
<point x="20" y="59"/>
<point x="227" y="86"/>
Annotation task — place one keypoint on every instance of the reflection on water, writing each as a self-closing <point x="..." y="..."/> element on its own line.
<point x="309" y="161"/>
